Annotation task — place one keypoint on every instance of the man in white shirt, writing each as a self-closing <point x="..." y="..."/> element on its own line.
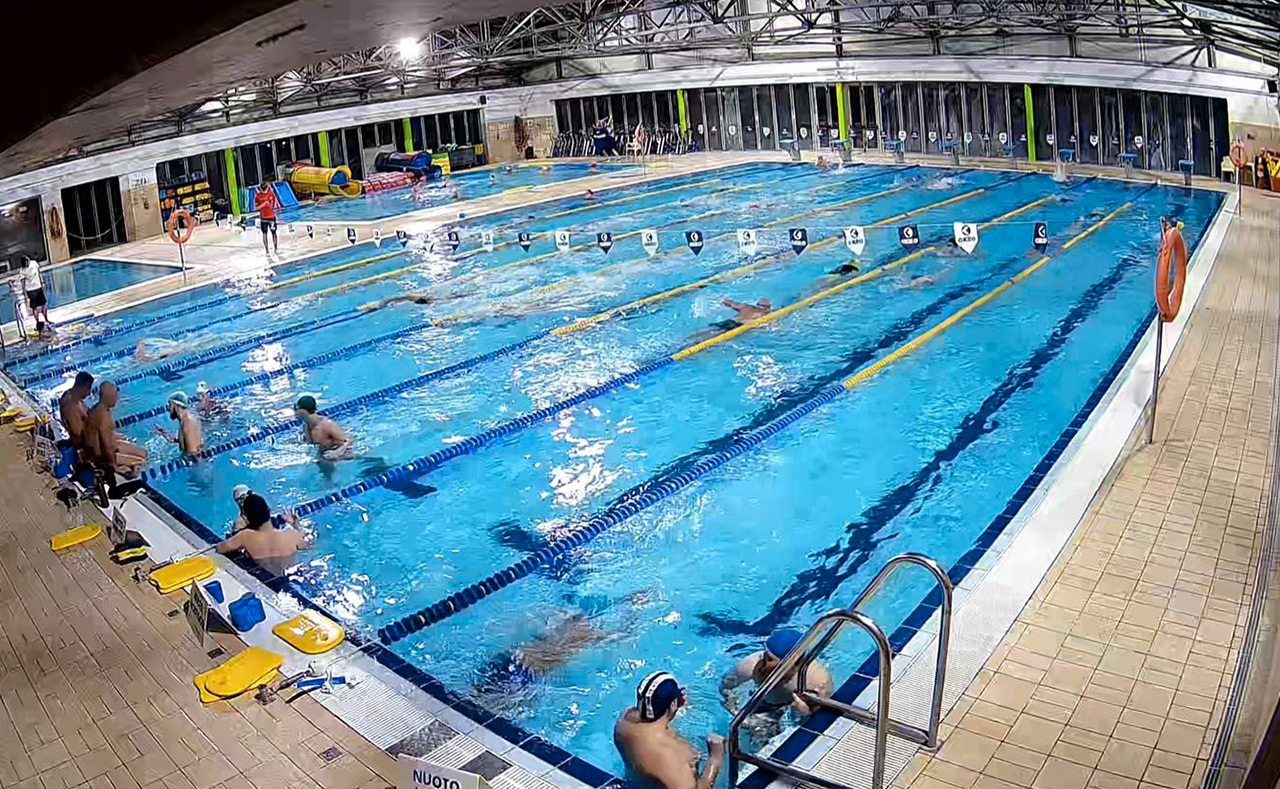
<point x="34" y="287"/>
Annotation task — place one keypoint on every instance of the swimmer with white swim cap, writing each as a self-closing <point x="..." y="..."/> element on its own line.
<point x="653" y="749"/>
<point x="190" y="439"/>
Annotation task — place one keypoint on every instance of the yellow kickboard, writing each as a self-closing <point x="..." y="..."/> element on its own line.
<point x="177" y="575"/>
<point x="10" y="414"/>
<point x="310" y="633"/>
<point x="252" y="668"/>
<point x="25" y="425"/>
<point x="79" y="534"/>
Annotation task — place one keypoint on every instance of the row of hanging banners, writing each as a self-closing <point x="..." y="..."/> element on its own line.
<point x="855" y="238"/>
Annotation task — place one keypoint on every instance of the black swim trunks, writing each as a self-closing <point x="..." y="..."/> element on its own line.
<point x="726" y="325"/>
<point x="267" y="225"/>
<point x="36" y="298"/>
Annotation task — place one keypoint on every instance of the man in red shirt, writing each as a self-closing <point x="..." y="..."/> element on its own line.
<point x="266" y="203"/>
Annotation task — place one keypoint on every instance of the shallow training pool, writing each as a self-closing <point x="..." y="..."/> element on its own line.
<point x="662" y="512"/>
<point x="84" y="279"/>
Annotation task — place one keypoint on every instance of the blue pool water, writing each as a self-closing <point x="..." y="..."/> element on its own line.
<point x="88" y="278"/>
<point x="922" y="456"/>
<point x="471" y="185"/>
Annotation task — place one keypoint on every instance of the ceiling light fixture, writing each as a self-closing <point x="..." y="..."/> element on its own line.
<point x="409" y="48"/>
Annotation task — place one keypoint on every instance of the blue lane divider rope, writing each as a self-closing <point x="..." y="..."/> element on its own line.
<point x="223" y="351"/>
<point x="122" y="329"/>
<point x="345" y="408"/>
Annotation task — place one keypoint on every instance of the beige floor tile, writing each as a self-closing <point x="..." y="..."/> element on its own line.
<point x="1035" y="734"/>
<point x="1059" y="773"/>
<point x="1096" y="716"/>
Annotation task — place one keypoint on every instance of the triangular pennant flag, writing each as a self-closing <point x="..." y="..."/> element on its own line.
<point x="604" y="241"/>
<point x="311" y="232"/>
<point x="747" y="243"/>
<point x="966" y="236"/>
<point x="453" y="240"/>
<point x="328" y="234"/>
<point x="402" y="237"/>
<point x="649" y="240"/>
<point x="1040" y="236"/>
<point x="486" y="240"/>
<point x="525" y="240"/>
<point x="351" y="235"/>
<point x="562" y="240"/>
<point x="799" y="239"/>
<point x="694" y="239"/>
<point x="292" y="229"/>
<point x="377" y="237"/>
<point x="855" y="238"/>
<point x="908" y="236"/>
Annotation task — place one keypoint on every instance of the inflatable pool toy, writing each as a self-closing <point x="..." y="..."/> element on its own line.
<point x="310" y="633"/>
<point x="381" y="182"/>
<point x="308" y="180"/>
<point x="70" y="537"/>
<point x="173" y="577"/>
<point x="252" y="668"/>
<point x="418" y="164"/>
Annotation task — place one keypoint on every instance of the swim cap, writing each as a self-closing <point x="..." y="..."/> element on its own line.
<point x="782" y="642"/>
<point x="306" y="403"/>
<point x="655" y="695"/>
<point x="256" y="510"/>
<point x="240" y="492"/>
<point x="201" y="388"/>
<point x="179" y="399"/>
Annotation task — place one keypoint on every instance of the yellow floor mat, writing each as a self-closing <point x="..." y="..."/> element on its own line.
<point x="79" y="534"/>
<point x="310" y="633"/>
<point x="175" y="576"/>
<point x="250" y="669"/>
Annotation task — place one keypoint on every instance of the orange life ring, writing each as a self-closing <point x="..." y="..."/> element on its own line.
<point x="55" y="223"/>
<point x="1173" y="254"/>
<point x="1240" y="161"/>
<point x="181" y="234"/>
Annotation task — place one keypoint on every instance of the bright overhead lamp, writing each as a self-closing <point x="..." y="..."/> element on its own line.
<point x="409" y="48"/>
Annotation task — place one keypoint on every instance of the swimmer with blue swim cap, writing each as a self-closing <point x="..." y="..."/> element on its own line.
<point x="757" y="667"/>
<point x="653" y="749"/>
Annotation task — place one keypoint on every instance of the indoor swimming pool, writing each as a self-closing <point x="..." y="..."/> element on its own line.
<point x="574" y="449"/>
<point x="469" y="184"/>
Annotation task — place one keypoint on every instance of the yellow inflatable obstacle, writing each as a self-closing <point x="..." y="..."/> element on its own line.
<point x="178" y="575"/>
<point x="70" y="537"/>
<point x="310" y="633"/>
<point x="247" y="670"/>
<point x="307" y="180"/>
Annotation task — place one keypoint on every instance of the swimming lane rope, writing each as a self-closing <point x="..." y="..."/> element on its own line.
<point x="644" y="496"/>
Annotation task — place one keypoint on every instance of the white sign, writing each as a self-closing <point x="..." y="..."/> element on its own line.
<point x="198" y="612"/>
<point x="871" y="134"/>
<point x="377" y="237"/>
<point x="1049" y="138"/>
<point x="968" y="137"/>
<point x="562" y="240"/>
<point x="486" y="240"/>
<point x="292" y="229"/>
<point x="422" y="774"/>
<point x="1137" y="141"/>
<point x="747" y="241"/>
<point x="902" y="135"/>
<point x="118" y="527"/>
<point x="1003" y="138"/>
<point x="933" y="136"/>
<point x="966" y="236"/>
<point x="649" y="240"/>
<point x="1093" y="140"/>
<point x="855" y="238"/>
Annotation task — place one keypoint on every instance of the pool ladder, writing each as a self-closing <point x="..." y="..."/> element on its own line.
<point x="812" y="644"/>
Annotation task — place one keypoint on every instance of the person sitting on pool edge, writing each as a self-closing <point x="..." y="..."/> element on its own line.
<point x="260" y="539"/>
<point x="757" y="667"/>
<point x="322" y="431"/>
<point x="190" y="439"/>
<point x="72" y="410"/>
<point x="102" y="446"/>
<point x="653" y="750"/>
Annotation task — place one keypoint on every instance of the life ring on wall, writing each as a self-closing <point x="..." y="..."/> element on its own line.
<point x="1173" y="253"/>
<point x="181" y="234"/>
<point x="55" y="223"/>
<point x="1241" y="160"/>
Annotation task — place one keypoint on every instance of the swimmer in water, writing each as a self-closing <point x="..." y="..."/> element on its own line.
<point x="190" y="439"/>
<point x="756" y="668"/>
<point x="589" y="195"/>
<point x="153" y="349"/>
<point x="493" y="179"/>
<point x="917" y="282"/>
<point x="943" y="182"/>
<point x="822" y="163"/>
<point x="654" y="750"/>
<point x="207" y="406"/>
<point x="743" y="314"/>
<point x="833" y="277"/>
<point x="594" y="167"/>
<point x="508" y="169"/>
<point x="545" y="169"/>
<point x="322" y="431"/>
<point x="950" y="249"/>
<point x="416" y="297"/>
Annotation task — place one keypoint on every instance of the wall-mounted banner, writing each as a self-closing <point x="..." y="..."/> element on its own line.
<point x="855" y="238"/>
<point x="799" y="237"/>
<point x="694" y="239"/>
<point x="649" y="240"/>
<point x="908" y="236"/>
<point x="377" y="237"/>
<point x="966" y="236"/>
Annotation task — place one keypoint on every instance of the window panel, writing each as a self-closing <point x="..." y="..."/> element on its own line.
<point x="746" y="118"/>
<point x="931" y="93"/>
<point x="1201" y="142"/>
<point x="1134" y="133"/>
<point x="1179" y="131"/>
<point x="909" y="98"/>
<point x="1064" y="116"/>
<point x="1112" y="143"/>
<point x="804" y="115"/>
<point x="786" y="128"/>
<point x="1017" y="120"/>
<point x="952" y="127"/>
<point x="1090" y="145"/>
<point x="891" y="117"/>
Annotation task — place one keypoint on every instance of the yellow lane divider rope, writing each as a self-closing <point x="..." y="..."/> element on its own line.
<point x="834" y="289"/>
<point x="921" y="339"/>
<point x="333" y="270"/>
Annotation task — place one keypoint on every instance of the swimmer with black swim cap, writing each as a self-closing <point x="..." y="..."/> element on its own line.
<point x="653" y="749"/>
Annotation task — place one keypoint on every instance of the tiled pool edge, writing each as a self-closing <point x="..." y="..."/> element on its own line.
<point x="809" y="743"/>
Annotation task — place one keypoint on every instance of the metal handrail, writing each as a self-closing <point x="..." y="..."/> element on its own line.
<point x="835" y="620"/>
<point x="815" y="641"/>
